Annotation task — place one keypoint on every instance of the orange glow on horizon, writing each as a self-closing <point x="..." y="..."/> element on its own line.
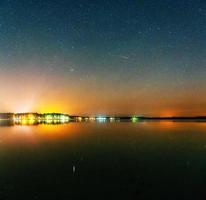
<point x="59" y="95"/>
<point x="168" y="113"/>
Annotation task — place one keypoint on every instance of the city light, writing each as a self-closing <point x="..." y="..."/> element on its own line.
<point x="35" y="118"/>
<point x="79" y="119"/>
<point x="112" y="119"/>
<point x="92" y="118"/>
<point x="135" y="119"/>
<point x="59" y="118"/>
<point x="101" y="119"/>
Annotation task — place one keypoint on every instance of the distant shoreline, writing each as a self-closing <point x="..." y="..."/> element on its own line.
<point x="11" y="116"/>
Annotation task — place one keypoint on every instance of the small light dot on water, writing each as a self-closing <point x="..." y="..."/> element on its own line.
<point x="73" y="169"/>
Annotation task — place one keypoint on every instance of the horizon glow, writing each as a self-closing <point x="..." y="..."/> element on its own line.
<point x="115" y="58"/>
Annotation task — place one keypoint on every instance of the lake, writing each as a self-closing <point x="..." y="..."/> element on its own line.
<point x="90" y="160"/>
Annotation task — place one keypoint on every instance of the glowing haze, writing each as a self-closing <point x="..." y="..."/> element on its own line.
<point x="108" y="57"/>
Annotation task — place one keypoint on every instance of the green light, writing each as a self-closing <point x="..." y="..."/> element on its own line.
<point x="135" y="119"/>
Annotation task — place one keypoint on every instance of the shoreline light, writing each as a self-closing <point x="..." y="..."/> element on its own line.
<point x="135" y="119"/>
<point x="101" y="119"/>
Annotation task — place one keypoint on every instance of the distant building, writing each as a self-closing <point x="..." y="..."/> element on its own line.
<point x="35" y="117"/>
<point x="55" y="116"/>
<point x="27" y="116"/>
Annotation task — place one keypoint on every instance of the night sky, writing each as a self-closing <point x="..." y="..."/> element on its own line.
<point x="103" y="56"/>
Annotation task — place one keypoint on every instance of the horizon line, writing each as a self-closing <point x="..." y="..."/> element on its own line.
<point x="111" y="115"/>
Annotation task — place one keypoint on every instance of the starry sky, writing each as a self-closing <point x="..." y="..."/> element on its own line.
<point x="103" y="56"/>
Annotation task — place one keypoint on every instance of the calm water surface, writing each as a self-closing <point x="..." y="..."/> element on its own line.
<point x="146" y="160"/>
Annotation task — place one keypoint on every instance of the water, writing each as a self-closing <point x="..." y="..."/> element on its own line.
<point x="123" y="160"/>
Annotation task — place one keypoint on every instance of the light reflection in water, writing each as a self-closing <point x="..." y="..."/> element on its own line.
<point x="147" y="148"/>
<point x="57" y="130"/>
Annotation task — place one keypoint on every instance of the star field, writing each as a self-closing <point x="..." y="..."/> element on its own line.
<point x="110" y="57"/>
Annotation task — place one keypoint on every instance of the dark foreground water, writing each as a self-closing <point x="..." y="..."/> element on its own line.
<point x="146" y="160"/>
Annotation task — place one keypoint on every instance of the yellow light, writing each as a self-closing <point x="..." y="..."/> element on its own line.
<point x="23" y="121"/>
<point x="112" y="119"/>
<point x="31" y="121"/>
<point x="48" y="121"/>
<point x="79" y="119"/>
<point x="92" y="118"/>
<point x="56" y="121"/>
<point x="31" y="117"/>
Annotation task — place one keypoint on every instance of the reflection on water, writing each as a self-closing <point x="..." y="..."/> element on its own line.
<point x="125" y="160"/>
<point x="31" y="122"/>
<point x="164" y="123"/>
